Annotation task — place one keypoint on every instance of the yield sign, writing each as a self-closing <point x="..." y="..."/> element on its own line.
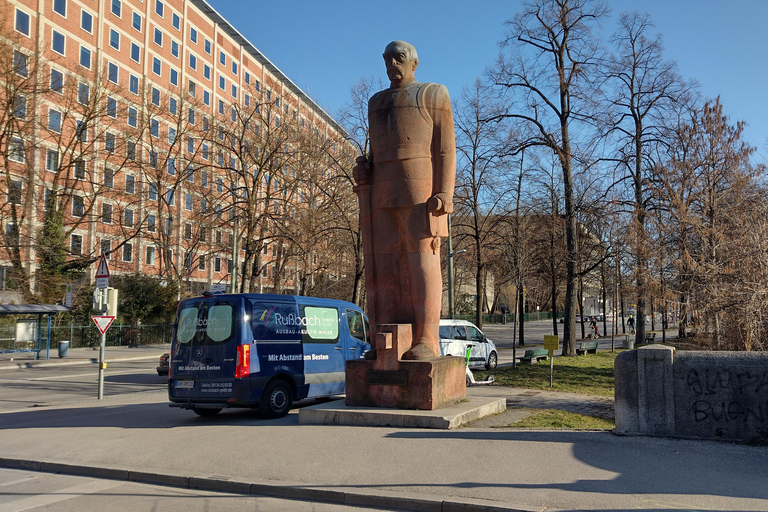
<point x="103" y="270"/>
<point x="103" y="322"/>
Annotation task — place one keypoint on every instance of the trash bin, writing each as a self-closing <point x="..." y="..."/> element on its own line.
<point x="64" y="348"/>
<point x="629" y="342"/>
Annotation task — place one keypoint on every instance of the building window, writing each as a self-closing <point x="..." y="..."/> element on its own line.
<point x="51" y="160"/>
<point x="188" y="231"/>
<point x="137" y="21"/>
<point x="191" y="116"/>
<point x="217" y="264"/>
<point x="60" y="7"/>
<point x="201" y="259"/>
<point x="188" y="202"/>
<point x="128" y="252"/>
<point x="159" y="8"/>
<point x="130" y="150"/>
<point x="20" y="64"/>
<point x="234" y="91"/>
<point x="135" y="52"/>
<point x="172" y="106"/>
<point x="221" y="107"/>
<point x="206" y="98"/>
<point x="175" y="49"/>
<point x="154" y="128"/>
<point x="152" y="192"/>
<point x="57" y="81"/>
<point x="83" y="93"/>
<point x="106" y="213"/>
<point x="222" y="58"/>
<point x="247" y="78"/>
<point x="151" y="223"/>
<point x="192" y="62"/>
<point x="114" y="39"/>
<point x="109" y="142"/>
<point x="109" y="177"/>
<point x="150" y="257"/>
<point x="171" y="135"/>
<point x="153" y="159"/>
<point x="222" y="83"/>
<point x="58" y="42"/>
<point x="204" y="151"/>
<point x="207" y="46"/>
<point x="20" y="107"/>
<point x="190" y="145"/>
<point x="207" y="71"/>
<point x="157" y="66"/>
<point x="54" y="120"/>
<point x="75" y="245"/>
<point x="204" y="179"/>
<point x="133" y="117"/>
<point x="192" y="88"/>
<point x="203" y="206"/>
<point x="193" y="35"/>
<point x="78" y="206"/>
<point x="106" y="248"/>
<point x="158" y="37"/>
<point x="128" y="217"/>
<point x="176" y="21"/>
<point x="112" y="72"/>
<point x="111" y="107"/>
<point x="22" y="22"/>
<point x="170" y="196"/>
<point x="78" y="168"/>
<point x="174" y="77"/>
<point x="130" y="184"/>
<point x="234" y="67"/>
<point x="16" y="150"/>
<point x="85" y="57"/>
<point x="81" y="131"/>
<point x="117" y="7"/>
<point x="156" y="96"/>
<point x="133" y="84"/>
<point x="171" y="166"/>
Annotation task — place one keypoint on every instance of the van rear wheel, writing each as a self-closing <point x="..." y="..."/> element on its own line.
<point x="276" y="400"/>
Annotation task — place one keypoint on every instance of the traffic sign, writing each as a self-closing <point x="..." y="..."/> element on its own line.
<point x="103" y="270"/>
<point x="102" y="283"/>
<point x="103" y="322"/>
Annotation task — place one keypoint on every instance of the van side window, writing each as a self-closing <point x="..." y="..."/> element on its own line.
<point x="320" y="324"/>
<point x="275" y="322"/>
<point x="356" y="326"/>
<point x="459" y="333"/>
<point x="475" y="335"/>
<point x="445" y="332"/>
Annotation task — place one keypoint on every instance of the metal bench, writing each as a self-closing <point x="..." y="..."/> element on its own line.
<point x="650" y="337"/>
<point x="585" y="347"/>
<point x="534" y="355"/>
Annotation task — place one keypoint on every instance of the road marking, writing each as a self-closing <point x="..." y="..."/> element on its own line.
<point x="91" y="374"/>
<point x="75" y="491"/>
<point x="26" y="479"/>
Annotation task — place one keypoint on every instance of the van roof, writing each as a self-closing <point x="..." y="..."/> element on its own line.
<point x="451" y="321"/>
<point x="274" y="297"/>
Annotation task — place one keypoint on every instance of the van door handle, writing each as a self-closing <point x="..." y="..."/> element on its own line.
<point x="336" y="348"/>
<point x="352" y="348"/>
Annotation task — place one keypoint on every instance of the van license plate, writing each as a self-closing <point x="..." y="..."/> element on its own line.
<point x="184" y="384"/>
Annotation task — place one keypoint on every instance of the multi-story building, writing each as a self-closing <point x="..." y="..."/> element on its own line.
<point x="153" y="132"/>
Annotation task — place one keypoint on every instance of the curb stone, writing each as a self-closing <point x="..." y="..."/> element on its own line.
<point x="215" y="483"/>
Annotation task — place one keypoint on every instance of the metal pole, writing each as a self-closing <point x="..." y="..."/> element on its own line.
<point x="451" y="305"/>
<point x="103" y="342"/>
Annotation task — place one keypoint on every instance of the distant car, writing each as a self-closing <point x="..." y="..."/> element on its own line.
<point x="164" y="367"/>
<point x="457" y="335"/>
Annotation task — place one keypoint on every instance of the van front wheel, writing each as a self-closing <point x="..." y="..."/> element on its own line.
<point x="276" y="400"/>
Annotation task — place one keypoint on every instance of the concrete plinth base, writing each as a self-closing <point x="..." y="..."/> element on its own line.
<point x="337" y="413"/>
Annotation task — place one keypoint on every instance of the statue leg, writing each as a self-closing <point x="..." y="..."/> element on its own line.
<point x="426" y="293"/>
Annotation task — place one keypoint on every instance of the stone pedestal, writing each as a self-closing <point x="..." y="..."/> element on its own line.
<point x="389" y="381"/>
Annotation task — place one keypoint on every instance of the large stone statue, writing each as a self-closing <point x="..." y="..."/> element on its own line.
<point x="411" y="171"/>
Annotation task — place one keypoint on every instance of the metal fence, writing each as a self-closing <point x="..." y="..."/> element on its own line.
<point x="509" y="318"/>
<point x="88" y="335"/>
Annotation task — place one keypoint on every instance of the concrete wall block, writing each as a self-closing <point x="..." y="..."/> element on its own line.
<point x="655" y="390"/>
<point x="625" y="393"/>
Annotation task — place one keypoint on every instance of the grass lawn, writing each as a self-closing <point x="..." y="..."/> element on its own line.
<point x="553" y="419"/>
<point x="589" y="375"/>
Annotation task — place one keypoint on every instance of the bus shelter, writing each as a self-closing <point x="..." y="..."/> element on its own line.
<point x="38" y="311"/>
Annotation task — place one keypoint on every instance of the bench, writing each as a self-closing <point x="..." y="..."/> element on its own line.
<point x="650" y="337"/>
<point x="584" y="347"/>
<point x="533" y="355"/>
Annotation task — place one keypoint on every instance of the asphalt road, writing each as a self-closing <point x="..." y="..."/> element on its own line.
<point x="32" y="491"/>
<point x="55" y="385"/>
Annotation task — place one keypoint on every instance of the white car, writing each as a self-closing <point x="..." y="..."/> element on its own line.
<point x="457" y="335"/>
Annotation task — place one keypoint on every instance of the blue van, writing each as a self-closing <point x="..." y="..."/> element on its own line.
<point x="265" y="351"/>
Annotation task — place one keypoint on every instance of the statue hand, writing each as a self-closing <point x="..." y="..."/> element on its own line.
<point x="441" y="203"/>
<point x="362" y="171"/>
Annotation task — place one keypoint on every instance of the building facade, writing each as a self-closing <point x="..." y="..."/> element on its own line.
<point x="153" y="132"/>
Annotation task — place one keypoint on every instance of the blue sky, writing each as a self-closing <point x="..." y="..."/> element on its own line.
<point x="325" y="47"/>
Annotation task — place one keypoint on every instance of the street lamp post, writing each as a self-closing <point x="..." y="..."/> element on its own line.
<point x="451" y="310"/>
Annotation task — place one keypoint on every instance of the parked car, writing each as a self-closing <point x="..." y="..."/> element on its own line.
<point x="164" y="367"/>
<point x="457" y="335"/>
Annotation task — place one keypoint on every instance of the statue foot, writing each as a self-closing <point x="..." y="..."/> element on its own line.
<point x="420" y="352"/>
<point x="370" y="355"/>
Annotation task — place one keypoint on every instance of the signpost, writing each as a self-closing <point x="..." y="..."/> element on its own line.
<point x="102" y="322"/>
<point x="551" y="343"/>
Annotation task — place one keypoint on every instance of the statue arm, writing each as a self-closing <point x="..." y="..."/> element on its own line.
<point x="443" y="150"/>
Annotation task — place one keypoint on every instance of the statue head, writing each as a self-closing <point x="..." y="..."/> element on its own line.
<point x="401" y="61"/>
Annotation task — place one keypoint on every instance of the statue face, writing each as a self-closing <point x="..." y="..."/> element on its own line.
<point x="400" y="70"/>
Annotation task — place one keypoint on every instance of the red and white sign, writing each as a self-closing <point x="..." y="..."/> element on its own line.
<point x="103" y="322"/>
<point x="103" y="270"/>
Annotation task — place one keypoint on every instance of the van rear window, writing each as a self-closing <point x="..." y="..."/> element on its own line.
<point x="206" y="323"/>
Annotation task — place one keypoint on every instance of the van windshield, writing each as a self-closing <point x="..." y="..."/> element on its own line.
<point x="206" y="322"/>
